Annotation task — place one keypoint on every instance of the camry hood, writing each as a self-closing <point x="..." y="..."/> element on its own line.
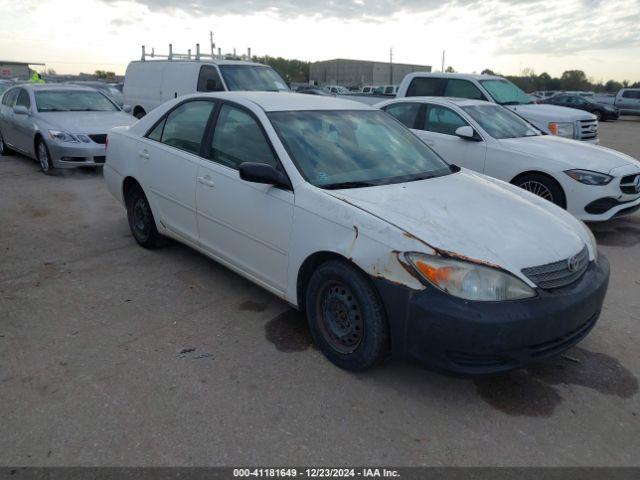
<point x="550" y="113"/>
<point x="570" y="153"/>
<point x="86" y="122"/>
<point x="470" y="215"/>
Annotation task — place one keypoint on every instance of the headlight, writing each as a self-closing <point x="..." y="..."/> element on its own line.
<point x="561" y="129"/>
<point x="588" y="177"/>
<point x="83" y="138"/>
<point x="469" y="280"/>
<point x="62" y="136"/>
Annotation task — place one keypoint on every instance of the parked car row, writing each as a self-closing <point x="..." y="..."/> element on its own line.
<point x="387" y="247"/>
<point x="426" y="227"/>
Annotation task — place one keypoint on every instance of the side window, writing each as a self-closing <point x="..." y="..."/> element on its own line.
<point x="10" y="98"/>
<point x="426" y="87"/>
<point x="443" y="120"/>
<point x="184" y="126"/>
<point x="209" y="80"/>
<point x="407" y="113"/>
<point x="23" y="99"/>
<point x="238" y="138"/>
<point x="156" y="133"/>
<point x="631" y="94"/>
<point x="463" y="89"/>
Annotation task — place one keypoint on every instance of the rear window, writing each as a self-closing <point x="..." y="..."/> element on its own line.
<point x="426" y="87"/>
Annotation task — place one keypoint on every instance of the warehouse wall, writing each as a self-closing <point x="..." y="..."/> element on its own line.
<point x="357" y="72"/>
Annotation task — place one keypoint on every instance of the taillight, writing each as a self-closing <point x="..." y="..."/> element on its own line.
<point x="106" y="142"/>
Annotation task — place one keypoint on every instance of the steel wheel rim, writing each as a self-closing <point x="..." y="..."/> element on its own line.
<point x="340" y="317"/>
<point x="141" y="218"/>
<point x="43" y="157"/>
<point x="538" y="188"/>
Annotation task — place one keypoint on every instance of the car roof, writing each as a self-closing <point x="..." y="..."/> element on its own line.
<point x="288" y="101"/>
<point x="462" y="76"/>
<point x="55" y="86"/>
<point x="460" y="102"/>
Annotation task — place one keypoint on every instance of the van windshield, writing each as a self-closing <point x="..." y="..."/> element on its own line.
<point x="336" y="149"/>
<point x="505" y="93"/>
<point x="252" y="78"/>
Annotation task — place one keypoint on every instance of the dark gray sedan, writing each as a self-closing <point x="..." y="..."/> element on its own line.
<point x="61" y="126"/>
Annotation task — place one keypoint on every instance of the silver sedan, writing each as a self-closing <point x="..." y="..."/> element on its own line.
<point x="61" y="126"/>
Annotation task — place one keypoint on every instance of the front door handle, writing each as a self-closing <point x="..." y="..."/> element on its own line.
<point x="206" y="180"/>
<point x="144" y="154"/>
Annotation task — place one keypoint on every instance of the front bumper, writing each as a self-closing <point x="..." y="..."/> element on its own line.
<point x="69" y="155"/>
<point x="453" y="335"/>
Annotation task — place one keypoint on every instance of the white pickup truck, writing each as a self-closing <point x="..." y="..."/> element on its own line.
<point x="561" y="121"/>
<point x="627" y="101"/>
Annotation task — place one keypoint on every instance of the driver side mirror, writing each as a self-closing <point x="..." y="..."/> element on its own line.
<point x="20" y="110"/>
<point x="126" y="108"/>
<point x="468" y="133"/>
<point x="263" y="173"/>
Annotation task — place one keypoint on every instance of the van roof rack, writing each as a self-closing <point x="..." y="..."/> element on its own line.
<point x="197" y="56"/>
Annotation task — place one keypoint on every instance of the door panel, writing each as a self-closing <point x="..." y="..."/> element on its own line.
<point x="23" y="125"/>
<point x="248" y="224"/>
<point x="169" y="164"/>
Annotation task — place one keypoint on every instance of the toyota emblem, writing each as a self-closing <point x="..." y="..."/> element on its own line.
<point x="573" y="263"/>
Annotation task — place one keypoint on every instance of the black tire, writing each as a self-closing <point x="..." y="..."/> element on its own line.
<point x="598" y="115"/>
<point x="4" y="150"/>
<point x="346" y="316"/>
<point x="44" y="157"/>
<point x="141" y="221"/>
<point x="542" y="186"/>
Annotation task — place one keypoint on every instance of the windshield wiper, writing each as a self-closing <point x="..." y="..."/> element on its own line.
<point x="336" y="186"/>
<point x="513" y="102"/>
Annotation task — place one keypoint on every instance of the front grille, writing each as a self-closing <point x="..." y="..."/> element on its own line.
<point x="627" y="184"/>
<point x="558" y="274"/>
<point x="588" y="129"/>
<point x="100" y="138"/>
<point x="99" y="159"/>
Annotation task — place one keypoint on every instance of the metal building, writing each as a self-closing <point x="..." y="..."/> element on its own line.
<point x="19" y="70"/>
<point x="351" y="73"/>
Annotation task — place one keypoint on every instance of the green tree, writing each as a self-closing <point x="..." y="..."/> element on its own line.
<point x="450" y="69"/>
<point x="487" y="71"/>
<point x="574" y="80"/>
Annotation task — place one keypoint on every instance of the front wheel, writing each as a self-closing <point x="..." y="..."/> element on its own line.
<point x="44" y="158"/>
<point x="544" y="187"/>
<point x="598" y="115"/>
<point x="4" y="150"/>
<point x="141" y="221"/>
<point x="346" y="317"/>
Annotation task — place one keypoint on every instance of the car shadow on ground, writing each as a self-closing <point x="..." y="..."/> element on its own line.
<point x="620" y="232"/>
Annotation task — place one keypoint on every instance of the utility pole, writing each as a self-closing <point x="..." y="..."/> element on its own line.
<point x="213" y="45"/>
<point x="391" y="66"/>
<point x="443" y="59"/>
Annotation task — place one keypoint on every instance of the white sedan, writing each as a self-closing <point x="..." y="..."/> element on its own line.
<point x="593" y="183"/>
<point x="341" y="211"/>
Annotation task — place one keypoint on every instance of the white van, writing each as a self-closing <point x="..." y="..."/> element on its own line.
<point x="149" y="83"/>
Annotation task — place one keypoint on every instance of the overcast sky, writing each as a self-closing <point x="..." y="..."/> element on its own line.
<point x="601" y="37"/>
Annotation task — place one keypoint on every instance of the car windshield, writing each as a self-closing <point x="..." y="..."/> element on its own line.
<point x="73" y="101"/>
<point x="354" y="148"/>
<point x="252" y="78"/>
<point x="505" y="93"/>
<point x="500" y="122"/>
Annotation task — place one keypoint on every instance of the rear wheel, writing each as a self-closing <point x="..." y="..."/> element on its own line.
<point x="44" y="158"/>
<point x="346" y="317"/>
<point x="141" y="221"/>
<point x="542" y="186"/>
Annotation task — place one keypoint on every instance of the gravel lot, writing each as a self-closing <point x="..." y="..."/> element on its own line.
<point x="114" y="355"/>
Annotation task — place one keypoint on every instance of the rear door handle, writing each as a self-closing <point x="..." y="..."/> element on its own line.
<point x="206" y="180"/>
<point x="144" y="154"/>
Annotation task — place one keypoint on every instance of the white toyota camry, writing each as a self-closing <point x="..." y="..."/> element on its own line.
<point x="594" y="183"/>
<point x="340" y="210"/>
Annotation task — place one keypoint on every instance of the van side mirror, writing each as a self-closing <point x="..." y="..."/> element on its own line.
<point x="468" y="133"/>
<point x="126" y="108"/>
<point x="263" y="173"/>
<point x="20" y="110"/>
